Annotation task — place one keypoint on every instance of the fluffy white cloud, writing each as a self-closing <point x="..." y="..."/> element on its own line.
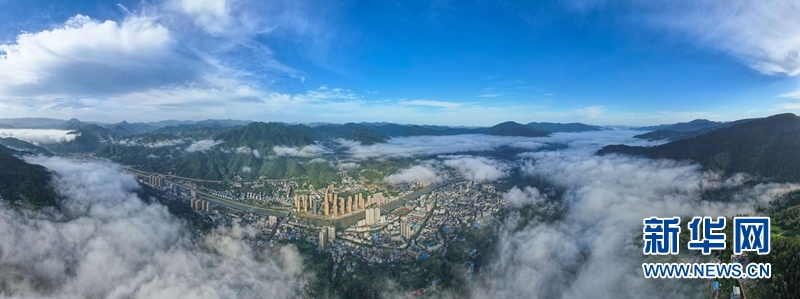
<point x="161" y="143"/>
<point x="764" y="35"/>
<point x="37" y="136"/>
<point x="306" y="151"/>
<point x="212" y="15"/>
<point x="531" y="145"/>
<point x="105" y="242"/>
<point x="525" y="196"/>
<point x="87" y="57"/>
<point x="593" y="246"/>
<point x="415" y="174"/>
<point x="432" y="145"/>
<point x="202" y="145"/>
<point x="477" y="169"/>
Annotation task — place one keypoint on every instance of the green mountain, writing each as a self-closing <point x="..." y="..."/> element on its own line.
<point x="570" y="127"/>
<point x="263" y="137"/>
<point x="678" y="135"/>
<point x="87" y="139"/>
<point x="217" y="165"/>
<point x="24" y="184"/>
<point x="72" y="124"/>
<point x="694" y="125"/>
<point x="24" y="146"/>
<point x="349" y="131"/>
<point x="511" y="128"/>
<point x="766" y="147"/>
<point x="195" y="131"/>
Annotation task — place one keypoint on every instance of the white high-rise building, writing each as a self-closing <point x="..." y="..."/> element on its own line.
<point x="373" y="216"/>
<point x="331" y="233"/>
<point x="405" y="229"/>
<point x="323" y="237"/>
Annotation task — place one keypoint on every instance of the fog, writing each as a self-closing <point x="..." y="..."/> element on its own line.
<point x="436" y="145"/>
<point x="37" y="136"/>
<point x="593" y="250"/>
<point x="105" y="242"/>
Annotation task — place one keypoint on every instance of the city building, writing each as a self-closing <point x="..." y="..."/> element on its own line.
<point x="405" y="229"/>
<point x="331" y="233"/>
<point x="323" y="237"/>
<point x="373" y="216"/>
<point x="272" y="220"/>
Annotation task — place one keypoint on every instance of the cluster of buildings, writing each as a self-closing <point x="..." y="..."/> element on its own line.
<point x="332" y="205"/>
<point x="201" y="205"/>
<point x="326" y="235"/>
<point x="156" y="180"/>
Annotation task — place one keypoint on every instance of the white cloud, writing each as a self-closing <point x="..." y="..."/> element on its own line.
<point x="477" y="169"/>
<point x="763" y="35"/>
<point x="104" y="242"/>
<point x="86" y="57"/>
<point x="590" y="112"/>
<point x="246" y="169"/>
<point x="525" y="196"/>
<point x="792" y="95"/>
<point x="161" y="143"/>
<point x="431" y="145"/>
<point x="202" y="145"/>
<point x="38" y="137"/>
<point x="306" y="151"/>
<point x="593" y="246"/>
<point x="415" y="174"/>
<point x="349" y="165"/>
<point x="527" y="145"/>
<point x="212" y="15"/>
<point x="440" y="104"/>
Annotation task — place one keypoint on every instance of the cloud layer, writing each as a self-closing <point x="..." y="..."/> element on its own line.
<point x="106" y="243"/>
<point x="415" y="174"/>
<point x="38" y="137"/>
<point x="87" y="57"/>
<point x="591" y="251"/>
<point x="202" y="145"/>
<point x="305" y="152"/>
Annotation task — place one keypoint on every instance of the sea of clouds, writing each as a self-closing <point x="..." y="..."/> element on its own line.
<point x="105" y="242"/>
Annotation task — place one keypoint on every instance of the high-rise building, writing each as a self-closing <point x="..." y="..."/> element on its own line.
<point x="341" y="204"/>
<point x="369" y="217"/>
<point x="296" y="204"/>
<point x="405" y="229"/>
<point x="272" y="220"/>
<point x="325" y="206"/>
<point x="207" y="206"/>
<point x="193" y="193"/>
<point x="349" y="205"/>
<point x="323" y="237"/>
<point x="331" y="233"/>
<point x="373" y="216"/>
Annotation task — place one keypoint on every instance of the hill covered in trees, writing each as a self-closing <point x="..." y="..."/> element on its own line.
<point x="766" y="147"/>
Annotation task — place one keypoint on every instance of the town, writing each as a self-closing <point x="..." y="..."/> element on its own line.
<point x="374" y="224"/>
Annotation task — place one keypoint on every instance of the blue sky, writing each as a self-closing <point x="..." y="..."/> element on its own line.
<point x="431" y="62"/>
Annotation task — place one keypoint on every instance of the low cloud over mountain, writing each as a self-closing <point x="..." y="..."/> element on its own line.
<point x="105" y="242"/>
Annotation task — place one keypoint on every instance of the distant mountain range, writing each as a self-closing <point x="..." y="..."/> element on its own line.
<point x="570" y="127"/>
<point x="694" y="125"/>
<point x="766" y="147"/>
